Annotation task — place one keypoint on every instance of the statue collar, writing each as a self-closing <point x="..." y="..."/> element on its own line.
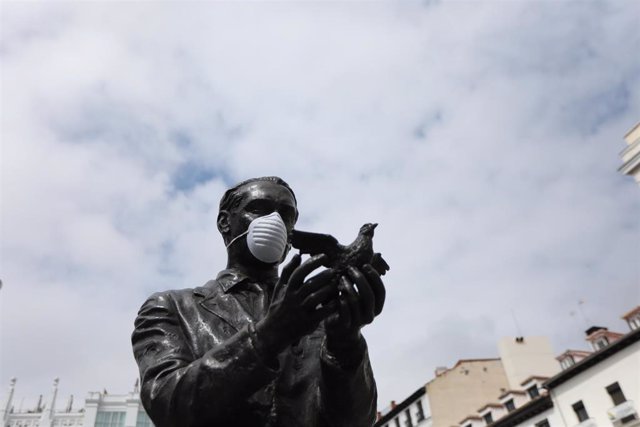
<point x="229" y="278"/>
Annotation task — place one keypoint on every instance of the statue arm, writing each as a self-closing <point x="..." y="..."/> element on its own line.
<point x="348" y="389"/>
<point x="180" y="390"/>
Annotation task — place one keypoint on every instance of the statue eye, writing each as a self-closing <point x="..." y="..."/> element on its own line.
<point x="287" y="213"/>
<point x="258" y="207"/>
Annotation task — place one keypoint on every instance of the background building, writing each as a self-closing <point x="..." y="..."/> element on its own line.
<point x="526" y="363"/>
<point x="414" y="411"/>
<point x="459" y="392"/>
<point x="631" y="154"/>
<point x="100" y="409"/>
<point x="598" y="388"/>
<point x="529" y="387"/>
<point x="601" y="389"/>
<point x="454" y="393"/>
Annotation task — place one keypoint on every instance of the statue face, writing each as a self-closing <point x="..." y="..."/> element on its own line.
<point x="259" y="198"/>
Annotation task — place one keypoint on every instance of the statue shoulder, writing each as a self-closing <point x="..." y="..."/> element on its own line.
<point x="178" y="297"/>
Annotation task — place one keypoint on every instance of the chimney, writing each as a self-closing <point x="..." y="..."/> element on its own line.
<point x="593" y="329"/>
<point x="440" y="370"/>
<point x="393" y="404"/>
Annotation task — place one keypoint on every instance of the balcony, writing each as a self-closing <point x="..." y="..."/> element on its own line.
<point x="622" y="413"/>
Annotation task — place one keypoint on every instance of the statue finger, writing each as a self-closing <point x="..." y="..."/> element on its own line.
<point x="286" y="274"/>
<point x="324" y="312"/>
<point x="298" y="275"/>
<point x="290" y="268"/>
<point x="367" y="302"/>
<point x="352" y="299"/>
<point x="321" y="296"/>
<point x="375" y="281"/>
<point x="344" y="313"/>
<point x="321" y="280"/>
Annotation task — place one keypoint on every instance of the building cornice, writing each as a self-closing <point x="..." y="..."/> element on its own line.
<point x="630" y="164"/>
<point x="490" y="405"/>
<point x="533" y="377"/>
<point x="471" y="418"/>
<point x="631" y="313"/>
<point x="593" y="359"/>
<point x="512" y="392"/>
<point x="524" y="412"/>
<point x="582" y="353"/>
<point x="401" y="406"/>
<point x="626" y="135"/>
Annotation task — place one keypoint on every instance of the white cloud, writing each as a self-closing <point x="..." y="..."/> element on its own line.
<point x="483" y="138"/>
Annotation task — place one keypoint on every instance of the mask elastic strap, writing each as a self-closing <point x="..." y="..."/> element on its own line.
<point x="237" y="237"/>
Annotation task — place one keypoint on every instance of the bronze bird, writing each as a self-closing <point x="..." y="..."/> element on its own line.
<point x="356" y="254"/>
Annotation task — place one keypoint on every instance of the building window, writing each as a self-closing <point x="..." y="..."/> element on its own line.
<point x="408" y="422"/>
<point x="488" y="418"/>
<point x="567" y="362"/>
<point x="510" y="405"/>
<point x="143" y="420"/>
<point x="580" y="410"/>
<point x="397" y="421"/>
<point x="543" y="423"/>
<point x="420" y="413"/>
<point x="533" y="391"/>
<point x="616" y="394"/>
<point x="602" y="343"/>
<point x="110" y="419"/>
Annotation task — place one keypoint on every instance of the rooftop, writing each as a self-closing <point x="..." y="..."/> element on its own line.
<point x="633" y="312"/>
<point x="529" y="410"/>
<point x="394" y="410"/>
<point x="594" y="358"/>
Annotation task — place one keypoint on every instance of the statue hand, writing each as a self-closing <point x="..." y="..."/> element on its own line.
<point x="296" y="307"/>
<point x="357" y="307"/>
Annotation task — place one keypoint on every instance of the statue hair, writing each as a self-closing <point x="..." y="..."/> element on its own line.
<point x="232" y="197"/>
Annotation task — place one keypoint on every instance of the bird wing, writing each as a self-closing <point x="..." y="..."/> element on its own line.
<point x="314" y="243"/>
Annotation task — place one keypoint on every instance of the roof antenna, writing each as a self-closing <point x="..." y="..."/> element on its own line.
<point x="586" y="319"/>
<point x="519" y="338"/>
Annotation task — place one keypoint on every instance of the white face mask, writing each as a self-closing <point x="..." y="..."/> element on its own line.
<point x="266" y="238"/>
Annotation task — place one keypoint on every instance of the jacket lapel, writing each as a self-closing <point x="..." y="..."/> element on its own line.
<point x="223" y="305"/>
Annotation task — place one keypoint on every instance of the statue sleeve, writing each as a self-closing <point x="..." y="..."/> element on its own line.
<point x="348" y="389"/>
<point x="176" y="388"/>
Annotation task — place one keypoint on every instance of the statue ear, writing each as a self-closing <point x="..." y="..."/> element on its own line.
<point x="223" y="223"/>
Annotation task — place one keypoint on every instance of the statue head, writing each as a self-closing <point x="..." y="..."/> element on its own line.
<point x="251" y="200"/>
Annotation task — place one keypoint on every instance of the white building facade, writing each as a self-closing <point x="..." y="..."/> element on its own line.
<point x="603" y="389"/>
<point x="99" y="410"/>
<point x="594" y="389"/>
<point x="412" y="412"/>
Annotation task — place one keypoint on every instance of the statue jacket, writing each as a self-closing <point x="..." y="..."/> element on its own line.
<point x="197" y="351"/>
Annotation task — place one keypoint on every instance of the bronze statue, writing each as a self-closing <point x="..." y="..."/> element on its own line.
<point x="253" y="349"/>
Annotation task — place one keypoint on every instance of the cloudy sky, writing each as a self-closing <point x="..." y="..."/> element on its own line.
<point x="484" y="137"/>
